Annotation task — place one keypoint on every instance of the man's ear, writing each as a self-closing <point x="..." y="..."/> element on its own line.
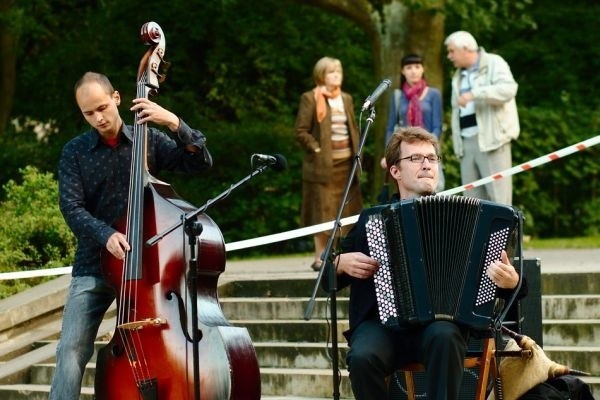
<point x="395" y="172"/>
<point x="116" y="97"/>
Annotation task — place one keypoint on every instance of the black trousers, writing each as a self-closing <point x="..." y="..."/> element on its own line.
<point x="377" y="351"/>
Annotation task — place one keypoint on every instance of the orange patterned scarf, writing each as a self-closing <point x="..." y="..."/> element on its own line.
<point x="320" y="94"/>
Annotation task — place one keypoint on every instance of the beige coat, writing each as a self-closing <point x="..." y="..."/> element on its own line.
<point x="310" y="134"/>
<point x="494" y="90"/>
<point x="323" y="182"/>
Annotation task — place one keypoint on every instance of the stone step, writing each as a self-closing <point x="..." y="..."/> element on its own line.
<point x="582" y="358"/>
<point x="570" y="283"/>
<point x="295" y="331"/>
<point x="303" y="382"/>
<point x="294" y="354"/>
<point x="573" y="306"/>
<point x="307" y="382"/>
<point x="36" y="392"/>
<point x="279" y="308"/>
<point x="319" y="354"/>
<point x="298" y="355"/>
<point x="551" y="284"/>
<point x="40" y="392"/>
<point x="553" y="307"/>
<point x="266" y="288"/>
<point x="571" y="332"/>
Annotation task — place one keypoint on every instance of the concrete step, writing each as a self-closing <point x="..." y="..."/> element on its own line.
<point x="294" y="354"/>
<point x="295" y="331"/>
<point x="40" y="392"/>
<point x="572" y="306"/>
<point x="35" y="392"/>
<point x="279" y="308"/>
<point x="571" y="283"/>
<point x="582" y="358"/>
<point x="267" y="288"/>
<point x="571" y="332"/>
<point x="298" y="355"/>
<point x="553" y="307"/>
<point x="551" y="284"/>
<point x="303" y="382"/>
<point x="308" y="382"/>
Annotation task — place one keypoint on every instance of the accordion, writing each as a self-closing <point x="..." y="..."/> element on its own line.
<point x="433" y="253"/>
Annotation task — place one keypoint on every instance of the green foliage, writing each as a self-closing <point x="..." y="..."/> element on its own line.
<point x="239" y="67"/>
<point x="33" y="233"/>
<point x="264" y="204"/>
<point x="557" y="197"/>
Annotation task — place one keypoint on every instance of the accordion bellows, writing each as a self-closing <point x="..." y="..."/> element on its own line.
<point x="433" y="253"/>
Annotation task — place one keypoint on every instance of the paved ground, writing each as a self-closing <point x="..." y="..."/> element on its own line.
<point x="552" y="261"/>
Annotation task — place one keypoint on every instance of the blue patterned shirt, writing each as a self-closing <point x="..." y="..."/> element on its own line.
<point x="94" y="182"/>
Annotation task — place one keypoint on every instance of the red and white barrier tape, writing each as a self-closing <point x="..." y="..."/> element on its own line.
<point x="526" y="166"/>
<point x="328" y="226"/>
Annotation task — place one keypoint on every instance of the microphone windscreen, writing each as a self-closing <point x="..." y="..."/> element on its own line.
<point x="280" y="163"/>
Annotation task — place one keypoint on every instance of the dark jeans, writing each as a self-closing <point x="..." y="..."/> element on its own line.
<point x="377" y="351"/>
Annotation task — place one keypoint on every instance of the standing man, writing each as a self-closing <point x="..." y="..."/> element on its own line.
<point x="93" y="177"/>
<point x="484" y="115"/>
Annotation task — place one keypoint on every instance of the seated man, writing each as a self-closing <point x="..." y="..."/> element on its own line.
<point x="376" y="350"/>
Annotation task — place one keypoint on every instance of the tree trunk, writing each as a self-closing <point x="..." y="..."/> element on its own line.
<point x="8" y="74"/>
<point x="395" y="29"/>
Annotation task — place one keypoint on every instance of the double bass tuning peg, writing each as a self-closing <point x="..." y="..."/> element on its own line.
<point x="163" y="69"/>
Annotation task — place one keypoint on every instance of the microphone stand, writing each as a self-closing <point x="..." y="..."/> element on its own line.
<point x="187" y="217"/>
<point x="194" y="228"/>
<point x="328" y="259"/>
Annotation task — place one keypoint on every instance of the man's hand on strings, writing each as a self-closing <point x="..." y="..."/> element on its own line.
<point x="149" y="111"/>
<point x="117" y="245"/>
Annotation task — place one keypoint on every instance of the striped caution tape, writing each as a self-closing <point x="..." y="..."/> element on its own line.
<point x="328" y="226"/>
<point x="526" y="166"/>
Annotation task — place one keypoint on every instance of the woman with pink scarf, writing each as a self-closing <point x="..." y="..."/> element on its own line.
<point x="415" y="104"/>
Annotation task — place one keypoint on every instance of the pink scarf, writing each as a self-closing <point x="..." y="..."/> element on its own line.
<point x="320" y="95"/>
<point x="413" y="93"/>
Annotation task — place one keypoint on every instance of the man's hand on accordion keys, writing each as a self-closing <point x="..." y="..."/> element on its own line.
<point x="502" y="273"/>
<point x="356" y="265"/>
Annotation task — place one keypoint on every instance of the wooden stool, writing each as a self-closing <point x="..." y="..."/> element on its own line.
<point x="486" y="361"/>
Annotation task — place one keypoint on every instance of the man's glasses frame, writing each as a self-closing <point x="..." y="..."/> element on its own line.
<point x="420" y="158"/>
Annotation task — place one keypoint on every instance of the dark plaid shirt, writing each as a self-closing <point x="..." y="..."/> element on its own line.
<point x="94" y="182"/>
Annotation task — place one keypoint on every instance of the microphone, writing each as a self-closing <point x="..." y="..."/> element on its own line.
<point x="369" y="101"/>
<point x="276" y="161"/>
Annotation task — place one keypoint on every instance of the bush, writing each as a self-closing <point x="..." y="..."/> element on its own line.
<point x="265" y="204"/>
<point x="33" y="233"/>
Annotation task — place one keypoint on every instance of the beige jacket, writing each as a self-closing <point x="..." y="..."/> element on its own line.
<point x="494" y="90"/>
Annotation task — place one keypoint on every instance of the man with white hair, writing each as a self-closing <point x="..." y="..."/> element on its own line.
<point x="484" y="115"/>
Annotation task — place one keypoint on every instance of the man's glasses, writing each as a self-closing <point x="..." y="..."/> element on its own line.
<point x="420" y="158"/>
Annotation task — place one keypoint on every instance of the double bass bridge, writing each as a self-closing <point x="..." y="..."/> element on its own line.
<point x="148" y="322"/>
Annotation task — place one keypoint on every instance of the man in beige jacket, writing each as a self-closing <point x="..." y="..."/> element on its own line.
<point x="484" y="115"/>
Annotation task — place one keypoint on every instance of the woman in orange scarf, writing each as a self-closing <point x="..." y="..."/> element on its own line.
<point x="326" y="130"/>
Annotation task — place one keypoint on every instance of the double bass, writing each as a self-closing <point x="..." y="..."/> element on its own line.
<point x="155" y="353"/>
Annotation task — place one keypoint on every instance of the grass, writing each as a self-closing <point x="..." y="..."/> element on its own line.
<point x="588" y="242"/>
